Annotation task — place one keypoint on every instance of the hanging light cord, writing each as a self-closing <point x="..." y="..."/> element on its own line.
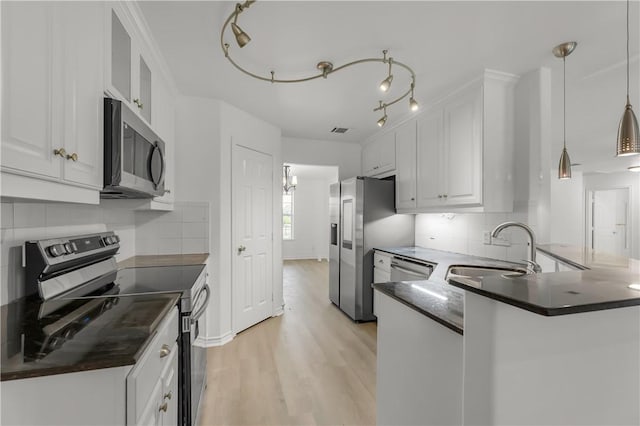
<point x="628" y="52"/>
<point x="564" y="101"/>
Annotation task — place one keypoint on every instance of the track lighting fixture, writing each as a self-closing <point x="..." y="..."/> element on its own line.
<point x="628" y="136"/>
<point x="325" y="68"/>
<point x="562" y="51"/>
<point x="386" y="83"/>
<point x="413" y="104"/>
<point x="241" y="37"/>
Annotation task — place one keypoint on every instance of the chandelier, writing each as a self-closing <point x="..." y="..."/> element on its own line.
<point x="289" y="182"/>
<point x="325" y="68"/>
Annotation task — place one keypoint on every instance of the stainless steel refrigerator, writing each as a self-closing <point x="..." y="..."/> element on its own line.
<point x="363" y="216"/>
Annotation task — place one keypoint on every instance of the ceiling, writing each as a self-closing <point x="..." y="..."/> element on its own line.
<point x="312" y="172"/>
<point x="446" y="43"/>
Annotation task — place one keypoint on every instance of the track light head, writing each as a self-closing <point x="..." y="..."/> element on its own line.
<point x="413" y="104"/>
<point x="386" y="83"/>
<point x="383" y="120"/>
<point x="241" y="37"/>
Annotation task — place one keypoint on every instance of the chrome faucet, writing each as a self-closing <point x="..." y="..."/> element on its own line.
<point x="532" y="265"/>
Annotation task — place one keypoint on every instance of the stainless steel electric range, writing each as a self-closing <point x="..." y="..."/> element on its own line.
<point x="61" y="271"/>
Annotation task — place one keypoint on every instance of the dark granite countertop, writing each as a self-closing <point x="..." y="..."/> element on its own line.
<point x="587" y="258"/>
<point x="435" y="298"/>
<point x="440" y="302"/>
<point x="40" y="339"/>
<point x="560" y="293"/>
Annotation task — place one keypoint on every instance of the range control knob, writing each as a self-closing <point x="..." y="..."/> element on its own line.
<point x="70" y="248"/>
<point x="108" y="240"/>
<point x="56" y="250"/>
<point x="116" y="238"/>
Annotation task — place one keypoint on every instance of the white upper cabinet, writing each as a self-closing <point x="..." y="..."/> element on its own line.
<point x="379" y="156"/>
<point x="128" y="66"/>
<point x="465" y="150"/>
<point x="52" y="62"/>
<point x="406" y="138"/>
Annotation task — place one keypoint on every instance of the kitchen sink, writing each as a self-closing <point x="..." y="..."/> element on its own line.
<point x="476" y="273"/>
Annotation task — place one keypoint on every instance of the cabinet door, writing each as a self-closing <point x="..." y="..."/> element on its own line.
<point x="429" y="182"/>
<point x="463" y="149"/>
<point x="81" y="27"/>
<point x="386" y="148"/>
<point x="144" y="90"/>
<point x="151" y="414"/>
<point x="369" y="159"/>
<point x="118" y="54"/>
<point x="170" y="391"/>
<point x="406" y="166"/>
<point x="381" y="276"/>
<point x="28" y="90"/>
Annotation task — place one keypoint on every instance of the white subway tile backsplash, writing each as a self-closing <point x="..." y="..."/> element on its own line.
<point x="194" y="230"/>
<point x="169" y="245"/>
<point x="194" y="245"/>
<point x="146" y="246"/>
<point x="29" y="215"/>
<point x="195" y="214"/>
<point x="6" y="215"/>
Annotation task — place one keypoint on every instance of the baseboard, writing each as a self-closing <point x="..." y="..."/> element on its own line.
<point x="210" y="342"/>
<point x="306" y="258"/>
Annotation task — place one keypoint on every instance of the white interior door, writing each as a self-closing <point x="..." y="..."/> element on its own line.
<point x="609" y="221"/>
<point x="252" y="237"/>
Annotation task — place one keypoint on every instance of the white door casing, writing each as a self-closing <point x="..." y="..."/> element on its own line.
<point x="252" y="240"/>
<point x="608" y="219"/>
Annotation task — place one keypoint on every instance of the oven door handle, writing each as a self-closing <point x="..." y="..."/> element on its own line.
<point x="197" y="314"/>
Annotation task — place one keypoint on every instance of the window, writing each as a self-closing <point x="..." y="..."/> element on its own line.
<point x="287" y="216"/>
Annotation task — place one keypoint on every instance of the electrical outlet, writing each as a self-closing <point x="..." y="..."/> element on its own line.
<point x="486" y="237"/>
<point x="503" y="240"/>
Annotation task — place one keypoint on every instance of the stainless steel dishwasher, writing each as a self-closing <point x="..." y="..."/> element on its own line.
<point x="409" y="270"/>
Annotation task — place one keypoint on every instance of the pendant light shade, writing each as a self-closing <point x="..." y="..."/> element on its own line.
<point x="628" y="143"/>
<point x="562" y="51"/>
<point x="564" y="167"/>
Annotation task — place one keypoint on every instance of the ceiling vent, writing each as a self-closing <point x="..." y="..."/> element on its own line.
<point x="339" y="130"/>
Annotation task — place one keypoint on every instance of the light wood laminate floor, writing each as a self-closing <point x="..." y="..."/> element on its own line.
<point x="312" y="365"/>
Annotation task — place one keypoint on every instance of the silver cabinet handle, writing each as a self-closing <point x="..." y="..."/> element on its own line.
<point x="241" y="249"/>
<point x="163" y="407"/>
<point x="165" y="351"/>
<point x="413" y="199"/>
<point x="445" y="195"/>
<point x="167" y="395"/>
<point x="439" y="196"/>
<point x="138" y="103"/>
<point x="380" y="261"/>
<point x="60" y="152"/>
<point x="197" y="314"/>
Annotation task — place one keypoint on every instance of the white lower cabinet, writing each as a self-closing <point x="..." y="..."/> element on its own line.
<point x="152" y="396"/>
<point x="381" y="267"/>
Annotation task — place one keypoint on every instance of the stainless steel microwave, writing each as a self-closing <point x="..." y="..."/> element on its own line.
<point x="134" y="156"/>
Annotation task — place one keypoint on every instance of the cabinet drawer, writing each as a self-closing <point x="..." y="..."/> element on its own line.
<point x="381" y="261"/>
<point x="148" y="369"/>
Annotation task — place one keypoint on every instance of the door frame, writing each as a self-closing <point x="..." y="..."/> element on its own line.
<point x="588" y="208"/>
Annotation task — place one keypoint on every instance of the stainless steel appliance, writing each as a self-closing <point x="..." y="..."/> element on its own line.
<point x="334" y="244"/>
<point x="409" y="269"/>
<point x="134" y="156"/>
<point x="64" y="271"/>
<point x="368" y="219"/>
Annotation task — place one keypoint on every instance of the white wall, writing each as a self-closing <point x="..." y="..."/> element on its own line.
<point x="621" y="180"/>
<point x="311" y="221"/>
<point x="462" y="233"/>
<point x="206" y="130"/>
<point x="29" y="221"/>
<point x="345" y="155"/>
<point x="567" y="209"/>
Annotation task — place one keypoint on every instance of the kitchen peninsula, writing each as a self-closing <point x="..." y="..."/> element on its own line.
<point x="550" y="348"/>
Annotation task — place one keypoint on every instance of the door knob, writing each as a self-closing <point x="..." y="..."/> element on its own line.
<point x="241" y="249"/>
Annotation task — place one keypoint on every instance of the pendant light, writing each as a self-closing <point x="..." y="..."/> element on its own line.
<point x="628" y="143"/>
<point x="562" y="51"/>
